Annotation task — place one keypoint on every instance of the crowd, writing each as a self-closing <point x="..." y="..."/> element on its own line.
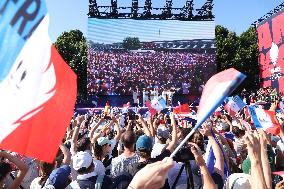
<point x="129" y="151"/>
<point x="122" y="73"/>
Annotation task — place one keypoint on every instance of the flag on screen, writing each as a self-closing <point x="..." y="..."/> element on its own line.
<point x="234" y="105"/>
<point x="158" y="104"/>
<point x="37" y="88"/>
<point x="182" y="109"/>
<point x="151" y="110"/>
<point x="125" y="108"/>
<point x="217" y="88"/>
<point x="264" y="119"/>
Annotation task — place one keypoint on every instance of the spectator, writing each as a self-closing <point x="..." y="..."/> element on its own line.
<point x="87" y="178"/>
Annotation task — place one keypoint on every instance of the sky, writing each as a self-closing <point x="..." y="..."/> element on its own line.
<point x="236" y="15"/>
<point x="110" y="31"/>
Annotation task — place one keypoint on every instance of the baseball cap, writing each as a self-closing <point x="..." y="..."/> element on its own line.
<point x="144" y="142"/>
<point x="238" y="181"/>
<point x="59" y="177"/>
<point x="82" y="159"/>
<point x="246" y="165"/>
<point x="103" y="141"/>
<point x="162" y="133"/>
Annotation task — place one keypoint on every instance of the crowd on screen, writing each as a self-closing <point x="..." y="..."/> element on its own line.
<point x="123" y="150"/>
<point x="121" y="73"/>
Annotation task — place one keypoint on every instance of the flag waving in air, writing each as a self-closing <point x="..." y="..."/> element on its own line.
<point x="234" y="105"/>
<point x="37" y="88"/>
<point x="264" y="119"/>
<point x="217" y="88"/>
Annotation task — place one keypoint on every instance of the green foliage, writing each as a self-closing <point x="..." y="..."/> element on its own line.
<point x="239" y="52"/>
<point x="72" y="46"/>
<point x="131" y="43"/>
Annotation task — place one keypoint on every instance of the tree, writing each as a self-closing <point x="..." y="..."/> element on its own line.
<point x="239" y="52"/>
<point x="72" y="46"/>
<point x="131" y="43"/>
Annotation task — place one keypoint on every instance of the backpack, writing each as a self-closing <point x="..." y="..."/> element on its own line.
<point x="88" y="182"/>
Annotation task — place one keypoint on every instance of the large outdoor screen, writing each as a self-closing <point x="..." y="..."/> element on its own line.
<point x="271" y="51"/>
<point x="127" y="55"/>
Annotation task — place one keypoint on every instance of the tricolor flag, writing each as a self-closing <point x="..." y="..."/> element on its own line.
<point x="234" y="105"/>
<point x="182" y="109"/>
<point x="37" y="88"/>
<point x="158" y="104"/>
<point x="125" y="108"/>
<point x="264" y="119"/>
<point x="151" y="110"/>
<point x="217" y="88"/>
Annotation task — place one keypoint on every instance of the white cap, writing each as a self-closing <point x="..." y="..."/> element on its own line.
<point x="82" y="159"/>
<point x="238" y="181"/>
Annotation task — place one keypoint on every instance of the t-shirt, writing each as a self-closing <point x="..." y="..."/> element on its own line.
<point x="99" y="167"/>
<point x="120" y="163"/>
<point x="134" y="168"/>
<point x="157" y="149"/>
<point x="88" y="181"/>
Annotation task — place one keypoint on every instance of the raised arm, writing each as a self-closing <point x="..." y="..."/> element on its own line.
<point x="208" y="182"/>
<point x="116" y="129"/>
<point x="258" y="180"/>
<point x="145" y="127"/>
<point x="219" y="163"/>
<point x="66" y="154"/>
<point x="75" y="135"/>
<point x="264" y="158"/>
<point x="94" y="127"/>
<point x="173" y="142"/>
<point x="23" y="169"/>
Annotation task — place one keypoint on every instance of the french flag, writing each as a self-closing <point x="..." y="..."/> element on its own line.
<point x="234" y="105"/>
<point x="150" y="108"/>
<point x="264" y="119"/>
<point x="181" y="109"/>
<point x="217" y="88"/>
<point x="158" y="104"/>
<point x="37" y="88"/>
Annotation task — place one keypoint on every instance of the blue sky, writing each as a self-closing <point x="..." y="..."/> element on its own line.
<point x="236" y="15"/>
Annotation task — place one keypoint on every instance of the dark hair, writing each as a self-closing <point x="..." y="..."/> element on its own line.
<point x="98" y="151"/>
<point x="46" y="169"/>
<point x="196" y="139"/>
<point x="128" y="139"/>
<point x="185" y="131"/>
<point x="236" y="131"/>
<point x="146" y="154"/>
<point x="85" y="170"/>
<point x="5" y="168"/>
<point x="83" y="144"/>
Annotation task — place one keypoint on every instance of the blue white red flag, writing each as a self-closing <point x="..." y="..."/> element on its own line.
<point x="159" y="104"/>
<point x="37" y="88"/>
<point x="264" y="119"/>
<point x="216" y="90"/>
<point x="234" y="105"/>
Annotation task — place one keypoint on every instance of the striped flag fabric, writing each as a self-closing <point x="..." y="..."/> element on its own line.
<point x="264" y="119"/>
<point x="216" y="90"/>
<point x="181" y="109"/>
<point x="37" y="88"/>
<point x="158" y="104"/>
<point x="234" y="105"/>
